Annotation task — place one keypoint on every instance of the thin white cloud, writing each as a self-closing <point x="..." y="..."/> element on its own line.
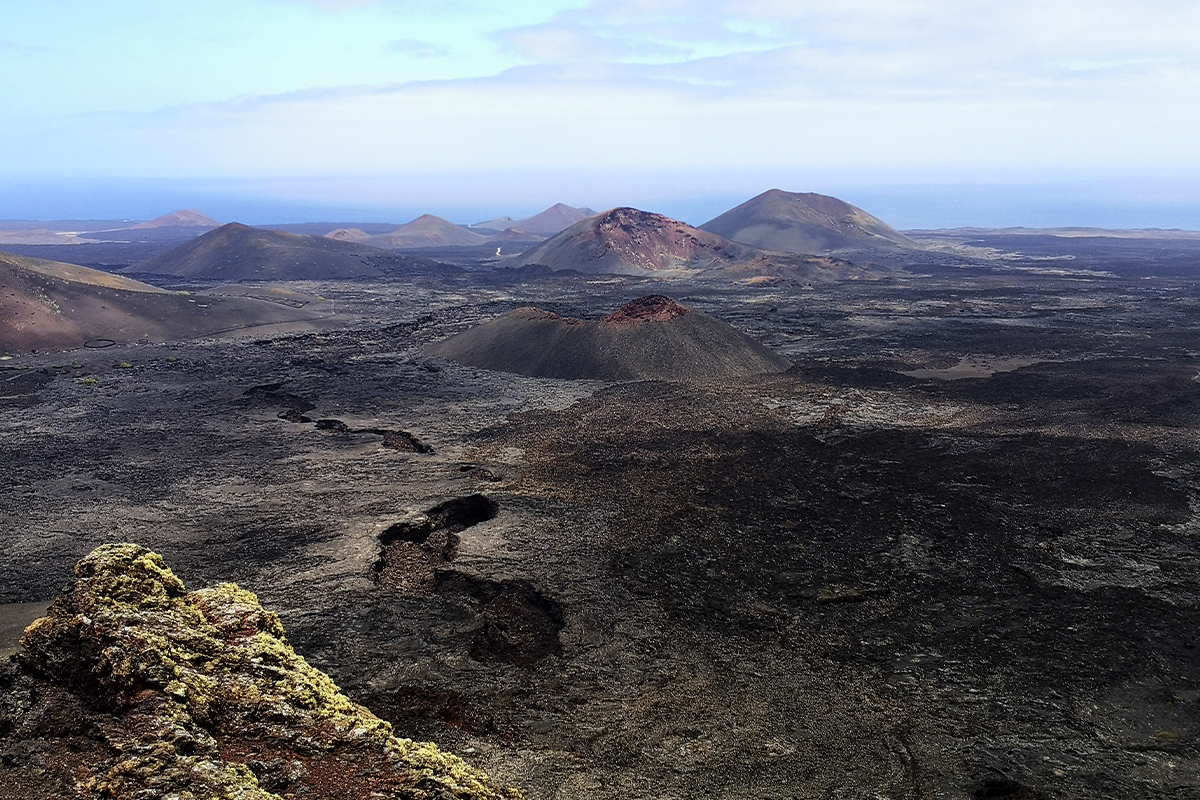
<point x="9" y="46"/>
<point x="866" y="46"/>
<point x="758" y="85"/>
<point x="416" y="48"/>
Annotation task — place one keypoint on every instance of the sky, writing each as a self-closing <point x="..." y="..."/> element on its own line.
<point x="927" y="113"/>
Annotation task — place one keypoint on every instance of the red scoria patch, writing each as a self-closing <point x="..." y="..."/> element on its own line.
<point x="652" y="308"/>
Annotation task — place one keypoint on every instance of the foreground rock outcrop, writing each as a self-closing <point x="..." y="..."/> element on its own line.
<point x="133" y="687"/>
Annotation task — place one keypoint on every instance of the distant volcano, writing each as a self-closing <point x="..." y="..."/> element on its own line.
<point x="788" y="222"/>
<point x="557" y="217"/>
<point x="428" y="231"/>
<point x="650" y="338"/>
<point x="349" y="235"/>
<point x="236" y="252"/>
<point x="629" y="241"/>
<point x="49" y="304"/>
<point x="187" y="218"/>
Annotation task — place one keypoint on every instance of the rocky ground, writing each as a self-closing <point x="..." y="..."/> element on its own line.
<point x="952" y="553"/>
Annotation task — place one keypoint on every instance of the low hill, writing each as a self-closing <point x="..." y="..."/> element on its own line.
<point x="630" y="241"/>
<point x="428" y="231"/>
<point x="516" y="235"/>
<point x="46" y="304"/>
<point x="788" y="222"/>
<point x="349" y="235"/>
<point x="187" y="218"/>
<point x="650" y="338"/>
<point x="236" y="252"/>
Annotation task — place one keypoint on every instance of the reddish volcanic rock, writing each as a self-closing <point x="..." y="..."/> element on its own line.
<point x="629" y="241"/>
<point x="652" y="308"/>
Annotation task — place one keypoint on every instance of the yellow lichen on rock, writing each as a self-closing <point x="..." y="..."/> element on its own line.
<point x="187" y="676"/>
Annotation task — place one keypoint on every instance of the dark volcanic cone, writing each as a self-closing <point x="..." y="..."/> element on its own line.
<point x="633" y="242"/>
<point x="47" y="304"/>
<point x="236" y="252"/>
<point x="650" y="338"/>
<point x="788" y="222"/>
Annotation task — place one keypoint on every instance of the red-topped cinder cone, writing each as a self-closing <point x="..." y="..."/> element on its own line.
<point x="651" y="338"/>
<point x="633" y="242"/>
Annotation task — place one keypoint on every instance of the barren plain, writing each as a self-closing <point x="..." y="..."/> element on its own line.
<point x="952" y="553"/>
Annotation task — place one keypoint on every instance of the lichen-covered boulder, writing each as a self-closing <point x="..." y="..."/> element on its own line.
<point x="197" y="696"/>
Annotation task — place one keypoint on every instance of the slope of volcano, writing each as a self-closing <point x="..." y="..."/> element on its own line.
<point x="428" y="231"/>
<point x="789" y="222"/>
<point x="47" y="304"/>
<point x="650" y="338"/>
<point x="633" y="242"/>
<point x="239" y="252"/>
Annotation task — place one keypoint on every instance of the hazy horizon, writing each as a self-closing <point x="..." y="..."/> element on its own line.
<point x="926" y="114"/>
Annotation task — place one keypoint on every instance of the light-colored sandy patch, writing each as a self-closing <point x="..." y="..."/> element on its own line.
<point x="14" y="619"/>
<point x="974" y="367"/>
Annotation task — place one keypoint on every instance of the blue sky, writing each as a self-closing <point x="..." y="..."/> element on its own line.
<point x="926" y="112"/>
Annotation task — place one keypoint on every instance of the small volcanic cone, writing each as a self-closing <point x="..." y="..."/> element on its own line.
<point x="651" y="338"/>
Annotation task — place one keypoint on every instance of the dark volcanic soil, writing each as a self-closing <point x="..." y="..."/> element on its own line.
<point x="951" y="554"/>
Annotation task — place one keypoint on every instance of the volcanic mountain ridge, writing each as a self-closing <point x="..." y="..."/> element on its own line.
<point x="651" y="338"/>
<point x="47" y="304"/>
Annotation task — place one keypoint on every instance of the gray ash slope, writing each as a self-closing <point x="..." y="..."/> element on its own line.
<point x="652" y="337"/>
<point x="47" y="304"/>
